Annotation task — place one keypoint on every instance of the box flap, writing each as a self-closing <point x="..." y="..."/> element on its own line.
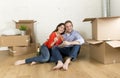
<point x="27" y="21"/>
<point x="24" y="21"/>
<point x="92" y="19"/>
<point x="94" y="42"/>
<point x="114" y="44"/>
<point x="88" y="19"/>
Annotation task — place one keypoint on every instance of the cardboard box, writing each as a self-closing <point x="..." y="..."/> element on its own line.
<point x="84" y="50"/>
<point x="106" y="52"/>
<point x="30" y="28"/>
<point x="17" y="40"/>
<point x="106" y="28"/>
<point x="16" y="51"/>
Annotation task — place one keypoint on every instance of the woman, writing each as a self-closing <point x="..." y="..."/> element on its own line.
<point x="54" y="40"/>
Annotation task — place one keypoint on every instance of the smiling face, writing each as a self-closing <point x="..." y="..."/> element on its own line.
<point x="69" y="27"/>
<point x="61" y="29"/>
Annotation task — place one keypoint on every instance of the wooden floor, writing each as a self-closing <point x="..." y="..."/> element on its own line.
<point x="81" y="68"/>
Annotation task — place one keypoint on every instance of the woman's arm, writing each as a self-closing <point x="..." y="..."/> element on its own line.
<point x="51" y="40"/>
<point x="55" y="40"/>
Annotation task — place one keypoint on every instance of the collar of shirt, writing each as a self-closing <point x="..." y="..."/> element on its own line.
<point x="68" y="34"/>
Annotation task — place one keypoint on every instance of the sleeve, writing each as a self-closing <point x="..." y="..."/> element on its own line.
<point x="51" y="39"/>
<point x="79" y="38"/>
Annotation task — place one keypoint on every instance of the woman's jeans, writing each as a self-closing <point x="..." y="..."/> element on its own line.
<point x="43" y="57"/>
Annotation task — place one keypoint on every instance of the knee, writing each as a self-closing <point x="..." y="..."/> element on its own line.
<point x="77" y="46"/>
<point x="54" y="48"/>
<point x="46" y="59"/>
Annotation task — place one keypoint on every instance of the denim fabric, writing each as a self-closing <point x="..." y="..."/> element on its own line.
<point x="57" y="53"/>
<point x="43" y="57"/>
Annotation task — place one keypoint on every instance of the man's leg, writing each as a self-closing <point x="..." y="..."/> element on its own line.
<point x="66" y="64"/>
<point x="56" y="55"/>
<point x="74" y="51"/>
<point x="72" y="54"/>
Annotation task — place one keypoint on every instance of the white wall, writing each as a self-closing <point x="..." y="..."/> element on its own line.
<point x="48" y="13"/>
<point x="115" y="10"/>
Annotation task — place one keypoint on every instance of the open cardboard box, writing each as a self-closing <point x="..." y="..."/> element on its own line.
<point x="30" y="28"/>
<point x="106" y="52"/>
<point x="105" y="28"/>
<point x="15" y="40"/>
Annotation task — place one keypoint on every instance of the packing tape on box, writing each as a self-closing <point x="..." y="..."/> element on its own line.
<point x="12" y="51"/>
<point x="27" y="40"/>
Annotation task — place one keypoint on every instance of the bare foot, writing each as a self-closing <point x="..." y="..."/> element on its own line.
<point x="33" y="63"/>
<point x="58" y="66"/>
<point x="67" y="62"/>
<point x="19" y="62"/>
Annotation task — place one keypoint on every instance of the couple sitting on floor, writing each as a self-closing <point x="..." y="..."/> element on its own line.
<point x="62" y="42"/>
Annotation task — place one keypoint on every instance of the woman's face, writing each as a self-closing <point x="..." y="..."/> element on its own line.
<point x="61" y="29"/>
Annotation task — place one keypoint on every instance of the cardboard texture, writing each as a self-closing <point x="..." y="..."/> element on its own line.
<point x="17" y="40"/>
<point x="30" y="28"/>
<point x="16" y="51"/>
<point x="105" y="52"/>
<point x="84" y="50"/>
<point x="114" y="44"/>
<point x="106" y="28"/>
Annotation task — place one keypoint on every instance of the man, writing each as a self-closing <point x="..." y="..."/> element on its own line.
<point x="70" y="47"/>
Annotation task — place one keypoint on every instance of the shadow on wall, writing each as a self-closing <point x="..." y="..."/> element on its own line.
<point x="85" y="35"/>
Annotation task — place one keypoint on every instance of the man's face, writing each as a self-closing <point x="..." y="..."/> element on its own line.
<point x="69" y="27"/>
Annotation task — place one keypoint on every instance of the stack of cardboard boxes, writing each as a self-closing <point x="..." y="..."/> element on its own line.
<point x="32" y="45"/>
<point x="105" y="44"/>
<point x="21" y="44"/>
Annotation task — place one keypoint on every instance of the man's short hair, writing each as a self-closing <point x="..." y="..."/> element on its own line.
<point x="68" y="21"/>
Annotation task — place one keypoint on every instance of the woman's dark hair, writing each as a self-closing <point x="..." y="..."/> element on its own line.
<point x="59" y="26"/>
<point x="68" y="21"/>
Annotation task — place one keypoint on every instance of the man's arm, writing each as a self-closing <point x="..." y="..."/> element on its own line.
<point x="67" y="43"/>
<point x="78" y="40"/>
<point x="71" y="43"/>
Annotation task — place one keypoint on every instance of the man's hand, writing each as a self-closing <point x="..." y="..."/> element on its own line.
<point x="66" y="43"/>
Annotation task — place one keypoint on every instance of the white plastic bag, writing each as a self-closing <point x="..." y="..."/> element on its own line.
<point x="11" y="31"/>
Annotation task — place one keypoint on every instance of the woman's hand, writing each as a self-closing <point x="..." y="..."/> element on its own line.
<point x="55" y="39"/>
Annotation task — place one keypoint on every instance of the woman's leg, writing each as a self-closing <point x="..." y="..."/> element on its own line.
<point x="33" y="63"/>
<point x="19" y="62"/>
<point x="56" y="54"/>
<point x="44" y="57"/>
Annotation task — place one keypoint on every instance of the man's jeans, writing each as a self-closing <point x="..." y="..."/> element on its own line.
<point x="57" y="52"/>
<point x="43" y="57"/>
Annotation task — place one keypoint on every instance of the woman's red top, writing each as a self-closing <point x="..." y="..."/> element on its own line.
<point x="51" y="40"/>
